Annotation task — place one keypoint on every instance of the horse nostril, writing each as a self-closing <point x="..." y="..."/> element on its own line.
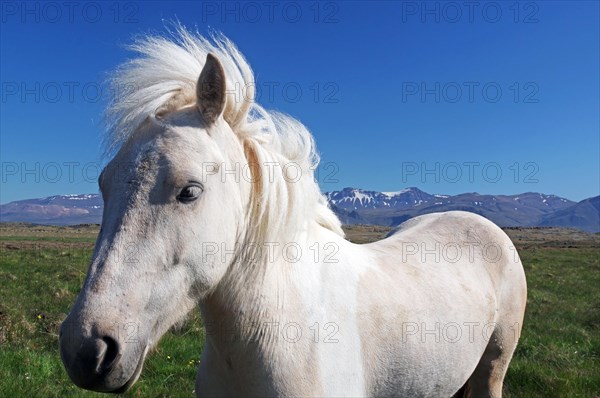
<point x="108" y="358"/>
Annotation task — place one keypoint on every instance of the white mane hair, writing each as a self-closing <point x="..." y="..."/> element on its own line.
<point x="163" y="78"/>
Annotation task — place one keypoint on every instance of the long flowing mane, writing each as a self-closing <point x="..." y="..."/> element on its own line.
<point x="163" y="77"/>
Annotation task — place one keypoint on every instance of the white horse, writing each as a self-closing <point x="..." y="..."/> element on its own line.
<point x="210" y="200"/>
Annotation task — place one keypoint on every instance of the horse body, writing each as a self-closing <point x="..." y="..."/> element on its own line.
<point x="397" y="325"/>
<point x="199" y="210"/>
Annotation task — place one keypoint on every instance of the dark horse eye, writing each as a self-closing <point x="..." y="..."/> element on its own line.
<point x="189" y="193"/>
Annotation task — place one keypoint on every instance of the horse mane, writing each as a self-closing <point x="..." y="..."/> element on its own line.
<point x="163" y="78"/>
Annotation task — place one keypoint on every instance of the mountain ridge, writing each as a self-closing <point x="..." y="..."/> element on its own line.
<point x="359" y="206"/>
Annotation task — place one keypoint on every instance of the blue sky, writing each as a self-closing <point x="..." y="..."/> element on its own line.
<point x="500" y="98"/>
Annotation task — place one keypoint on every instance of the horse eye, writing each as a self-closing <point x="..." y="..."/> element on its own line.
<point x="189" y="193"/>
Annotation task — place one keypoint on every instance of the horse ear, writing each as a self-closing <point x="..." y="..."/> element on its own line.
<point x="210" y="90"/>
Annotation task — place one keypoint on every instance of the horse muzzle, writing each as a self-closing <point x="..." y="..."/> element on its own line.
<point x="100" y="361"/>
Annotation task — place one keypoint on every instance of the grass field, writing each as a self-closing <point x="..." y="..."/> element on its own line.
<point x="42" y="269"/>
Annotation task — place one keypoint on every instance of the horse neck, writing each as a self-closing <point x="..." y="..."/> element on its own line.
<point x="250" y="301"/>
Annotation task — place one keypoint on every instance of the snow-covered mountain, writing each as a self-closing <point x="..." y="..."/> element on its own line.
<point x="354" y="199"/>
<point x="584" y="215"/>
<point x="357" y="206"/>
<point x="58" y="209"/>
<point x="410" y="198"/>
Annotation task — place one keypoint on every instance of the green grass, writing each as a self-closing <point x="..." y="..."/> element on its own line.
<point x="558" y="355"/>
<point x="47" y="239"/>
<point x="559" y="351"/>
